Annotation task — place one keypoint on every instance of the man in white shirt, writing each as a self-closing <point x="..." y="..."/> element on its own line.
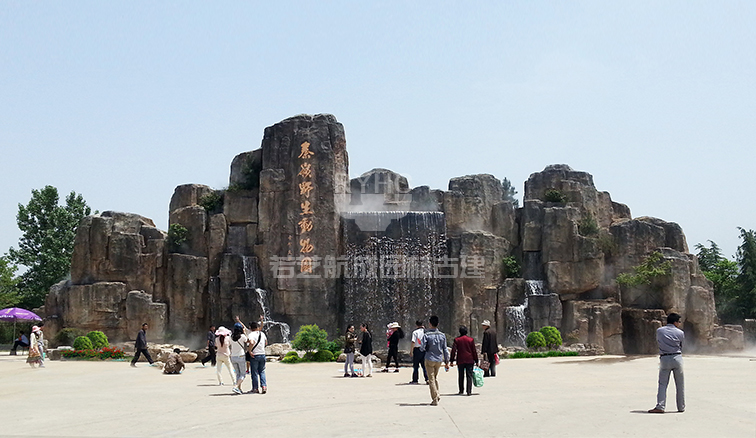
<point x="417" y="353"/>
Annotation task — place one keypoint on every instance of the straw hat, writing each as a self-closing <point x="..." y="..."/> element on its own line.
<point x="394" y="325"/>
<point x="486" y="323"/>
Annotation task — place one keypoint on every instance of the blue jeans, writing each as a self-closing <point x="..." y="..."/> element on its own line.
<point x="258" y="368"/>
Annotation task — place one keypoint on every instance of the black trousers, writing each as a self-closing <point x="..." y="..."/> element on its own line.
<point x="393" y="352"/>
<point x="491" y="358"/>
<point x="418" y="359"/>
<point x="465" y="369"/>
<point x="139" y="353"/>
<point x="19" y="344"/>
<point x="210" y="356"/>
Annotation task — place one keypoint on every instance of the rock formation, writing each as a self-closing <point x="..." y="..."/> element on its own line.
<point x="293" y="239"/>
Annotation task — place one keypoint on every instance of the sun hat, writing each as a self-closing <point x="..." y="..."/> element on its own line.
<point x="394" y="325"/>
<point x="222" y="331"/>
<point x="486" y="322"/>
<point x="35" y="329"/>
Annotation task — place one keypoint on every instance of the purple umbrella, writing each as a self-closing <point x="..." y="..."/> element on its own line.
<point x="17" y="314"/>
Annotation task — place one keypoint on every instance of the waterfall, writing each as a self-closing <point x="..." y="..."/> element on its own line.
<point x="515" y="332"/>
<point x="251" y="277"/>
<point x="516" y="319"/>
<point x="389" y="267"/>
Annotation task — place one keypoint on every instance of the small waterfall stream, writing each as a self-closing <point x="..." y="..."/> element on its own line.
<point x="517" y="326"/>
<point x="251" y="276"/>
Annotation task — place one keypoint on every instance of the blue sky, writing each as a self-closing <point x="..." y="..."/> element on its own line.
<point x="122" y="102"/>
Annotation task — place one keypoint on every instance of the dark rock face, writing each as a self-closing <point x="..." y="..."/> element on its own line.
<point x="294" y="239"/>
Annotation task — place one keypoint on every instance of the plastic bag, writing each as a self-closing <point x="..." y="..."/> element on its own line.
<point x="496" y="358"/>
<point x="477" y="377"/>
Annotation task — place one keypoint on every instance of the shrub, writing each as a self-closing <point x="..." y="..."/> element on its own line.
<point x="588" y="226"/>
<point x="653" y="267"/>
<point x="105" y="353"/>
<point x="323" y="356"/>
<point x="551" y="336"/>
<point x="552" y="353"/>
<point x="82" y="343"/>
<point x="535" y="340"/>
<point x="606" y="243"/>
<point x="310" y="338"/>
<point x="177" y="236"/>
<point x="336" y="346"/>
<point x="212" y="202"/>
<point x="99" y="340"/>
<point x="291" y="357"/>
<point x="67" y="336"/>
<point x="510" y="267"/>
<point x="111" y="353"/>
<point x="554" y="195"/>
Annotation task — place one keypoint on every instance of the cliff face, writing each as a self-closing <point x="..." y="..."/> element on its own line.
<point x="281" y="239"/>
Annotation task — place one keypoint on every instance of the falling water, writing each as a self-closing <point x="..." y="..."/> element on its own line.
<point x="389" y="273"/>
<point x="251" y="276"/>
<point x="517" y="323"/>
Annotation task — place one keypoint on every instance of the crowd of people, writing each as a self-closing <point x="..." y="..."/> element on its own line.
<point x="242" y="351"/>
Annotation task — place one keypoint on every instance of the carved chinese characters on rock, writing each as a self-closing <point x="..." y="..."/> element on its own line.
<point x="306" y="223"/>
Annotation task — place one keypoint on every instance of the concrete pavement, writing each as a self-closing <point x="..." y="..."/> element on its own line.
<point x="561" y="397"/>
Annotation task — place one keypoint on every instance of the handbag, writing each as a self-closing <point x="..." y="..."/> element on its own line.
<point x="496" y="358"/>
<point x="484" y="365"/>
<point x="477" y="377"/>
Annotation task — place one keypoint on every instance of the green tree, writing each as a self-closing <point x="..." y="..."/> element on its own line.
<point x="310" y="338"/>
<point x="509" y="192"/>
<point x="723" y="273"/>
<point x="8" y="284"/>
<point x="46" y="245"/>
<point x="745" y="303"/>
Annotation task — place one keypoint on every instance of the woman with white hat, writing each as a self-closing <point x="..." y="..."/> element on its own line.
<point x="394" y="334"/>
<point x="223" y="355"/>
<point x="35" y="353"/>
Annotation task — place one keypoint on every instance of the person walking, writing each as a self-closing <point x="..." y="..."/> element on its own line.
<point x="417" y="353"/>
<point x="257" y="343"/>
<point x="35" y="354"/>
<point x="239" y="346"/>
<point x="434" y="345"/>
<point x="670" y="339"/>
<point x="349" y="339"/>
<point x="223" y="353"/>
<point x="489" y="348"/>
<point x="395" y="333"/>
<point x="464" y="352"/>
<point x="210" y="347"/>
<point x="366" y="350"/>
<point x="140" y="346"/>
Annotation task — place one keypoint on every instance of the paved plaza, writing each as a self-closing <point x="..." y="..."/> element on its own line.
<point x="603" y="396"/>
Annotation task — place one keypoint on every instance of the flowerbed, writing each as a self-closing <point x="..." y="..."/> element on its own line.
<point x="105" y="353"/>
<point x="552" y="353"/>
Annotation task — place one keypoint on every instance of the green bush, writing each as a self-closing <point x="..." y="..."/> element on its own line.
<point x="551" y="336"/>
<point x="588" y="226"/>
<point x="323" y="356"/>
<point x="310" y="338"/>
<point x="554" y="195"/>
<point x="291" y="357"/>
<point x="552" y="353"/>
<point x="652" y="267"/>
<point x="535" y="340"/>
<point x="99" y="340"/>
<point x="336" y="346"/>
<point x="82" y="343"/>
<point x="67" y="336"/>
<point x="212" y="202"/>
<point x="510" y="267"/>
<point x="177" y="236"/>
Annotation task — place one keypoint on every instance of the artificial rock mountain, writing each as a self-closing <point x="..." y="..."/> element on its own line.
<point x="332" y="251"/>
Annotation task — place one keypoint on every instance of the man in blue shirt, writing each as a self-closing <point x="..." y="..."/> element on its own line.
<point x="434" y="345"/>
<point x="22" y="341"/>
<point x="670" y="339"/>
